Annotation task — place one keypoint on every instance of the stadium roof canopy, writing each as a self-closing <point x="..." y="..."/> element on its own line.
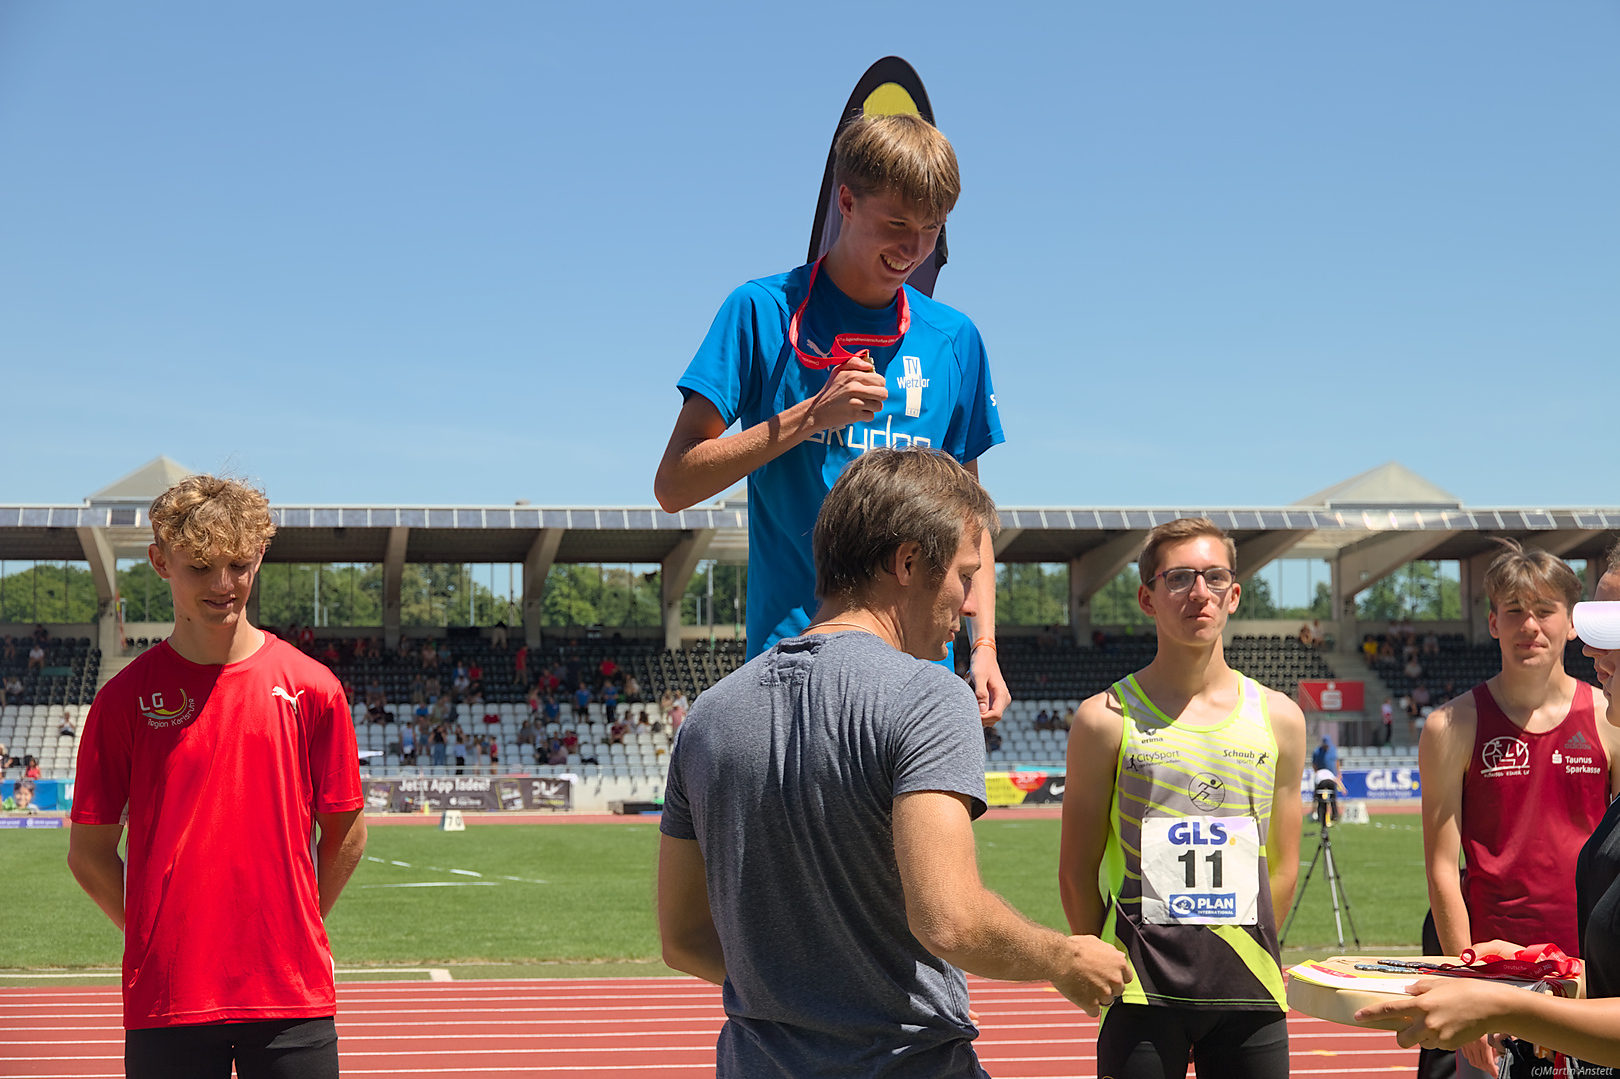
<point x="1367" y="526"/>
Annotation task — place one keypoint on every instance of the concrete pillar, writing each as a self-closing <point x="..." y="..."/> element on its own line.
<point x="1476" y="605"/>
<point x="393" y="576"/>
<point x="536" y="568"/>
<point x="1091" y="571"/>
<point x="104" y="572"/>
<point x="677" y="569"/>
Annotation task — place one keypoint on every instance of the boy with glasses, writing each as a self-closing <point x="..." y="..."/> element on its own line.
<point x="1183" y="791"/>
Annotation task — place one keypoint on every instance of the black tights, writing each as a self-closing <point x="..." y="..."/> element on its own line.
<point x="1139" y="1041"/>
<point x="272" y="1049"/>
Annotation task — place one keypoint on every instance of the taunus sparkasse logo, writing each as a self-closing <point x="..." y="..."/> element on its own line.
<point x="162" y="710"/>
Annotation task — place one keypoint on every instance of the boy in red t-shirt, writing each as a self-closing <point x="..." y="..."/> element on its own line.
<point x="1516" y="775"/>
<point x="230" y="756"/>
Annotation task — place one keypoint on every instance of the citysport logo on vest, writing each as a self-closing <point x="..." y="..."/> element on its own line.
<point x="159" y="714"/>
<point x="1505" y="756"/>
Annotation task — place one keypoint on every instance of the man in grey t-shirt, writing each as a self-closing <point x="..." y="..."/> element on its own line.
<point x="817" y="857"/>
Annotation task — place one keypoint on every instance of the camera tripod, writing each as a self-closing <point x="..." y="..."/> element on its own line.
<point x="1325" y="807"/>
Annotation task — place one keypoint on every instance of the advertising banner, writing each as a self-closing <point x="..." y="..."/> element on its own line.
<point x="1332" y="696"/>
<point x="1023" y="788"/>
<point x="54" y="794"/>
<point x="1377" y="784"/>
<point x="477" y="794"/>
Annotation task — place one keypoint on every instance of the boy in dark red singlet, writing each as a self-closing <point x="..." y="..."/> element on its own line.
<point x="230" y="756"/>
<point x="1516" y="775"/>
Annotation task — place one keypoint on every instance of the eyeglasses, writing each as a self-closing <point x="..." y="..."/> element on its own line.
<point x="1218" y="578"/>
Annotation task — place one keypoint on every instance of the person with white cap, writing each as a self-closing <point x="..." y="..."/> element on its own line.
<point x="1450" y="1013"/>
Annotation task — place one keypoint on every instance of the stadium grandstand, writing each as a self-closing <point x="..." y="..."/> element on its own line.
<point x="1365" y="530"/>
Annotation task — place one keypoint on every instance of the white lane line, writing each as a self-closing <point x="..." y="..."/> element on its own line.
<point x="438" y="884"/>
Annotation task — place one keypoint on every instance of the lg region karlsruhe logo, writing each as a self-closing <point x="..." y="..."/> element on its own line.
<point x="159" y="713"/>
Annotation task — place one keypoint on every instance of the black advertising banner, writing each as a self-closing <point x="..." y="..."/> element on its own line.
<point x="889" y="86"/>
<point x="473" y="794"/>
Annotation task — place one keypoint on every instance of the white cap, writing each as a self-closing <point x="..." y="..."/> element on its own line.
<point x="1598" y="623"/>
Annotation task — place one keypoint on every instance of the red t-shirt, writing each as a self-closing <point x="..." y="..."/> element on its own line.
<point x="1530" y="800"/>
<point x="220" y="771"/>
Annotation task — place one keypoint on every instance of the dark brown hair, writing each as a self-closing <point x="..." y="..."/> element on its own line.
<point x="903" y="154"/>
<point x="1523" y="573"/>
<point x="889" y="497"/>
<point x="1179" y="531"/>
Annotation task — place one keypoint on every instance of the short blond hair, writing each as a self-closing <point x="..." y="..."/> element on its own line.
<point x="1524" y="573"/>
<point x="203" y="514"/>
<point x="903" y="154"/>
<point x="1179" y="531"/>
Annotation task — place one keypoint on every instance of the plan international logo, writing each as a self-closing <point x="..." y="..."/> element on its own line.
<point x="159" y="714"/>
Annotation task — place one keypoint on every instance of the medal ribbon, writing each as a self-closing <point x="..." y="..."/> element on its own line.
<point x="844" y="341"/>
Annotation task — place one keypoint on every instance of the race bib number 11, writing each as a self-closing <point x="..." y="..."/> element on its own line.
<point x="1201" y="870"/>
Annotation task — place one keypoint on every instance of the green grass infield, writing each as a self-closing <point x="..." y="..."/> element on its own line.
<point x="545" y="901"/>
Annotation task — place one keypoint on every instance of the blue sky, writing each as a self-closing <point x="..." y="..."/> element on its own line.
<point x="432" y="252"/>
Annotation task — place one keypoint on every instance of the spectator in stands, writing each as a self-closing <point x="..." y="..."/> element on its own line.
<point x="1318" y="637"/>
<point x="1369" y="649"/>
<point x="582" y="699"/>
<point x="556" y="751"/>
<point x="1305" y="636"/>
<point x="520" y="665"/>
<point x="439" y="710"/>
<point x="437" y="744"/>
<point x="67" y="728"/>
<point x="8" y="651"/>
<point x="375" y="695"/>
<point x="1068" y="719"/>
<point x="1431" y="644"/>
<point x="1414" y="669"/>
<point x="1043" y="722"/>
<point x="458" y="748"/>
<point x="1386" y="652"/>
<point x="677" y="712"/>
<point x="306" y="639"/>
<point x="992" y="739"/>
<point x="608" y="668"/>
<point x="494" y="749"/>
<point x="475" y="703"/>
<point x="1421" y="699"/>
<point x="525" y="734"/>
<point x="475" y="672"/>
<point x="666" y="701"/>
<point x="552" y="710"/>
<point x="14" y="686"/>
<point x="632" y="689"/>
<point x="643" y="723"/>
<point x="36" y="657"/>
<point x="610" y="701"/>
<point x="41" y="634"/>
<point x="617" y="732"/>
<point x="30" y="768"/>
<point x="432" y="687"/>
<point x="418" y="690"/>
<point x="533" y="700"/>
<point x="570" y="740"/>
<point x="330" y="654"/>
<point x="497" y="636"/>
<point x="407" y="742"/>
<point x="1386" y="713"/>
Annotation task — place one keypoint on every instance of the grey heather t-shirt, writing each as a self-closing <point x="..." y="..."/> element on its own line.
<point x="786" y="774"/>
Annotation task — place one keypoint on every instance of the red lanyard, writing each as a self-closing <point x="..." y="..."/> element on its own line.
<point x="842" y="342"/>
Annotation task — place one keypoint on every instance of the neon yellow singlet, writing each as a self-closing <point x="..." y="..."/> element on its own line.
<point x="1184" y="870"/>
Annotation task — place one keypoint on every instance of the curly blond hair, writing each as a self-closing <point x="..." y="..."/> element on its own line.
<point x="203" y="514"/>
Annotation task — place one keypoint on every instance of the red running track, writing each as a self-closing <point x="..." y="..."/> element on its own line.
<point x="631" y="1027"/>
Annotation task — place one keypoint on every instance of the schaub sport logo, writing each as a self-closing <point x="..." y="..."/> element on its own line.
<point x="159" y="712"/>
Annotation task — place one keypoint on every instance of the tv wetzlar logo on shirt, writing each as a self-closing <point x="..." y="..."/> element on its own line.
<point x="290" y="698"/>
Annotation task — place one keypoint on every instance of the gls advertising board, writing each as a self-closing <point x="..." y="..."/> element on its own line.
<point x="1038" y="788"/>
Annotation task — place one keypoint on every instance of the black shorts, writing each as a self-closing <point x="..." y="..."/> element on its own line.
<point x="1142" y="1041"/>
<point x="271" y="1049"/>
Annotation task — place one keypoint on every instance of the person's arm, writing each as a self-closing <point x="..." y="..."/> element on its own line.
<point x="1282" y="838"/>
<point x="93" y="859"/>
<point x="701" y="461"/>
<point x="685" y="922"/>
<point x="1455" y="1013"/>
<point x="337" y="852"/>
<point x="1443" y="751"/>
<point x="1088" y="793"/>
<point x="1610" y="737"/>
<point x="957" y="918"/>
<point x="988" y="684"/>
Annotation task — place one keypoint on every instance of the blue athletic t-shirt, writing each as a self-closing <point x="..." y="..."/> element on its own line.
<point x="939" y="395"/>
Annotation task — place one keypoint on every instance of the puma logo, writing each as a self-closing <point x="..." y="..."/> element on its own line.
<point x="290" y="698"/>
